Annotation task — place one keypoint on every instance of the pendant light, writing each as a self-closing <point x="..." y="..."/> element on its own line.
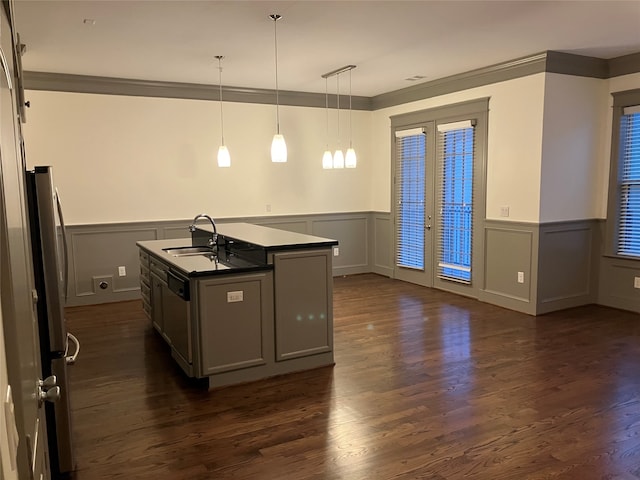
<point x="338" y="157"/>
<point x="327" y="161"/>
<point x="338" y="160"/>
<point x="350" y="160"/>
<point x="224" y="159"/>
<point x="278" y="145"/>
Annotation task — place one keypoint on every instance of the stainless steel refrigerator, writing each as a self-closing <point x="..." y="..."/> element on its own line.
<point x="58" y="347"/>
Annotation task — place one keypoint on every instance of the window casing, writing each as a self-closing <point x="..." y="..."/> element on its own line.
<point x="623" y="225"/>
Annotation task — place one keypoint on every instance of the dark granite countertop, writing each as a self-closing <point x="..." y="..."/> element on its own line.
<point x="249" y="243"/>
<point x="268" y="238"/>
<point x="199" y="265"/>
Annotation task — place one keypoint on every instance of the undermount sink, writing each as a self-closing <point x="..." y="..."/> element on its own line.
<point x="185" y="251"/>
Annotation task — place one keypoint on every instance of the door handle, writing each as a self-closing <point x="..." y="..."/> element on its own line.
<point x="428" y="227"/>
<point x="71" y="359"/>
<point x="48" y="390"/>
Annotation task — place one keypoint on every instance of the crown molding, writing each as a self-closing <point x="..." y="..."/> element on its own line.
<point x="624" y="65"/>
<point x="520" y="67"/>
<point x="577" y="65"/>
<point x="62" y="82"/>
<point x="550" y="62"/>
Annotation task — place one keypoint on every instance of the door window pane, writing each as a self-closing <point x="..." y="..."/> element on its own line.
<point x="410" y="201"/>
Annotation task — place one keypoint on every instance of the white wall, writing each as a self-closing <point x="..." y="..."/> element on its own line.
<point x="572" y="161"/>
<point x="513" y="150"/>
<point x="120" y="158"/>
<point x="123" y="158"/>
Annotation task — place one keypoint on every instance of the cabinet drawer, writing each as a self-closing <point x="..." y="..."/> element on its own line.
<point x="145" y="291"/>
<point x="158" y="268"/>
<point x="144" y="258"/>
<point x="145" y="276"/>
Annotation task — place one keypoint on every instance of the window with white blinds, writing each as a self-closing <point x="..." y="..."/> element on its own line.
<point x="455" y="200"/>
<point x="410" y="198"/>
<point x="629" y="183"/>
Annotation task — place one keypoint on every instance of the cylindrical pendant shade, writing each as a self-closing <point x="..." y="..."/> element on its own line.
<point x="350" y="160"/>
<point x="224" y="159"/>
<point x="278" y="149"/>
<point x="338" y="159"/>
<point x="327" y="160"/>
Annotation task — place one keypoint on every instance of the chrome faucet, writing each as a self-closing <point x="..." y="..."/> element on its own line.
<point x="213" y="241"/>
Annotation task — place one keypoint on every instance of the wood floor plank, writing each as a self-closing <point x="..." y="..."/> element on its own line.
<point x="427" y="385"/>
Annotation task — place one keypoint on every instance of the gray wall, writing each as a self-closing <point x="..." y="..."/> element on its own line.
<point x="559" y="261"/>
<point x="562" y="261"/>
<point x="616" y="283"/>
<point x="96" y="251"/>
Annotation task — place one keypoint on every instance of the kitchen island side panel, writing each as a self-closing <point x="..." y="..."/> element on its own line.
<point x="303" y="303"/>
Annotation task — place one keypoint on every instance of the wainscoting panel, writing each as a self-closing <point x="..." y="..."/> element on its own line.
<point x="352" y="235"/>
<point x="616" y="285"/>
<point x="175" y="231"/>
<point x="97" y="250"/>
<point x="561" y="262"/>
<point x="95" y="255"/>
<point x="299" y="226"/>
<point x="381" y="242"/>
<point x="566" y="268"/>
<point x="509" y="248"/>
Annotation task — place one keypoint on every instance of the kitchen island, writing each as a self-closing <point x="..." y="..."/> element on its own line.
<point x="257" y="303"/>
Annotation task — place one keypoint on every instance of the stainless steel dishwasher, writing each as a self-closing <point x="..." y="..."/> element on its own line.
<point x="176" y="306"/>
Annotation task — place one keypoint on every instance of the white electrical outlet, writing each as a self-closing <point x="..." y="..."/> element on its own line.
<point x="235" y="296"/>
<point x="122" y="271"/>
<point x="336" y="251"/>
<point x="504" y="211"/>
<point x="520" y="277"/>
<point x="268" y="207"/>
<point x="636" y="282"/>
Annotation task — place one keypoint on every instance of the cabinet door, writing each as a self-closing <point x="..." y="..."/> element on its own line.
<point x="303" y="285"/>
<point x="234" y="316"/>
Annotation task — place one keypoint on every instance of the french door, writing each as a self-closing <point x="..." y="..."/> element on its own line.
<point x="414" y="205"/>
<point x="435" y="203"/>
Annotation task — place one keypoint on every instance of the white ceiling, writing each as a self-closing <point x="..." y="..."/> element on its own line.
<point x="388" y="41"/>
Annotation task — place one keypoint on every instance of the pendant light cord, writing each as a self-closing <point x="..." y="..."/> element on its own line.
<point x="220" y="85"/>
<point x="350" y="133"/>
<point x="275" y="41"/>
<point x="338" y="98"/>
<point x="326" y="104"/>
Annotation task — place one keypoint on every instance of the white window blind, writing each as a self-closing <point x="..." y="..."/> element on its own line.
<point x="410" y="194"/>
<point x="455" y="203"/>
<point x="629" y="183"/>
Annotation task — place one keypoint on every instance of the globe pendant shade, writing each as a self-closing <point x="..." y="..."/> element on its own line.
<point x="224" y="159"/>
<point x="278" y="149"/>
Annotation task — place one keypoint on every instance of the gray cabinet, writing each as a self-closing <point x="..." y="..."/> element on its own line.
<point x="157" y="316"/>
<point x="145" y="283"/>
<point x="244" y="323"/>
<point x="303" y="303"/>
<point x="235" y="322"/>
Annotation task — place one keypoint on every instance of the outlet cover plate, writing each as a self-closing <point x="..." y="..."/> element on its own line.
<point x="235" y="296"/>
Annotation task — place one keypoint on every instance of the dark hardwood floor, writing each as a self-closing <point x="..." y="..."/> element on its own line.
<point x="426" y="385"/>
